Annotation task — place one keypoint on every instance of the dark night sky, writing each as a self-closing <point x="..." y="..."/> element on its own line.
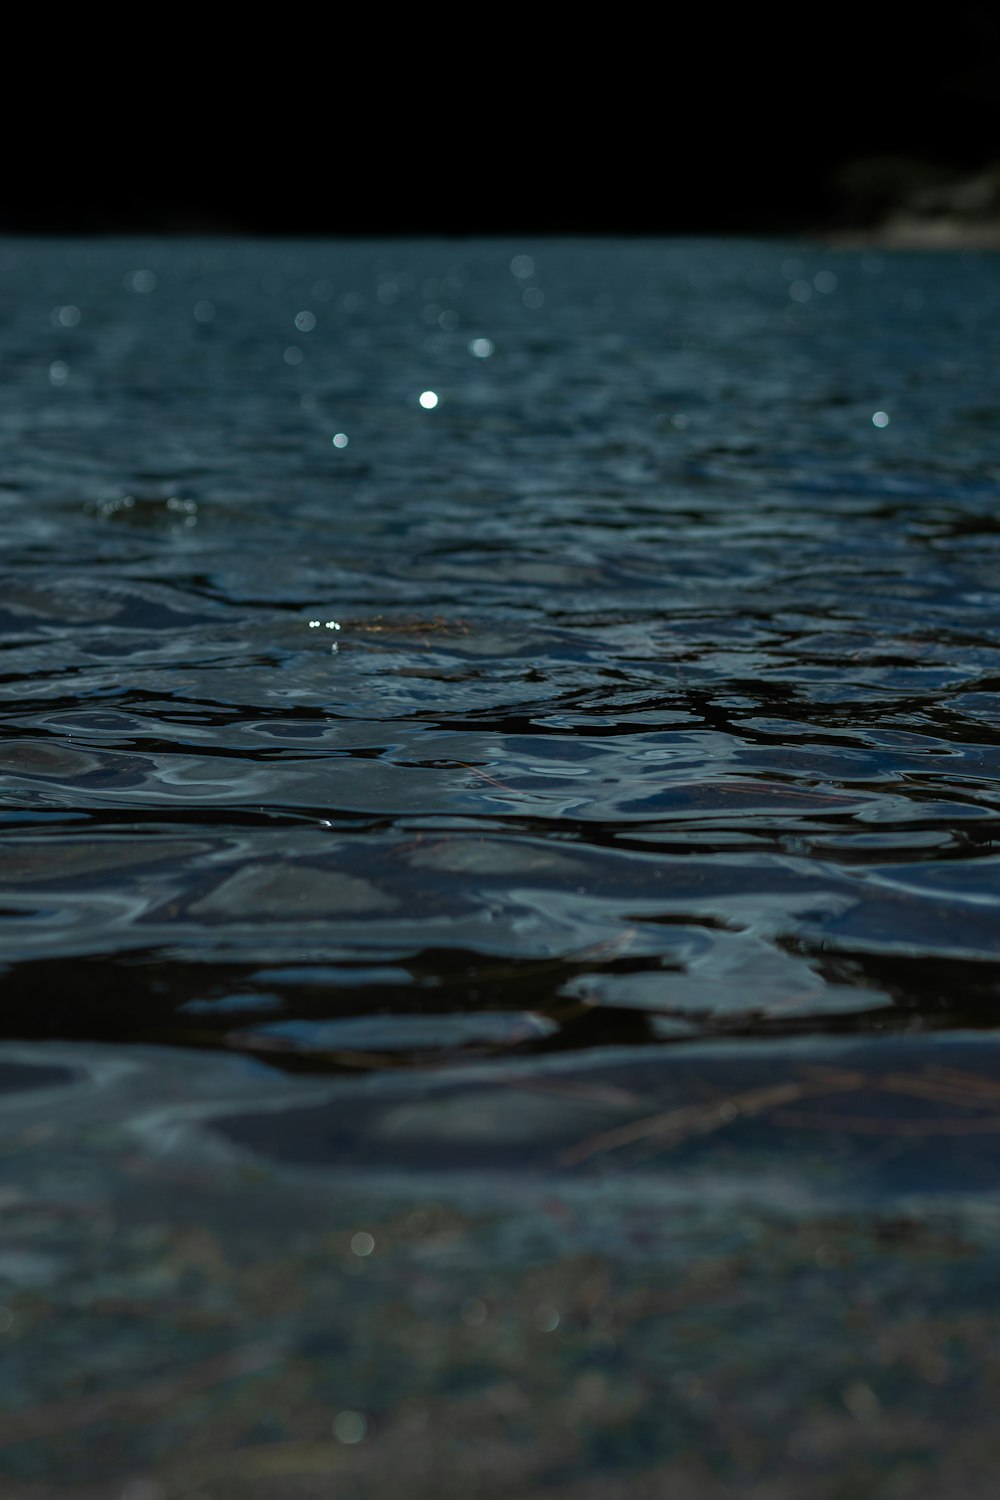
<point x="479" y="123"/>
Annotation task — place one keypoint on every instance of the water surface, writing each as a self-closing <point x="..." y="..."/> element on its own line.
<point x="664" y="682"/>
<point x="499" y="773"/>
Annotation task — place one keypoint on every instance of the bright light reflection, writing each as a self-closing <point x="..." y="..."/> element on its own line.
<point x="880" y="419"/>
<point x="340" y="440"/>
<point x="428" y="400"/>
<point x="349" y="1427"/>
<point x="481" y="348"/>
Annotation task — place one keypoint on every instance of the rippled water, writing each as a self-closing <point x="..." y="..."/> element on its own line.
<point x="499" y="741"/>
<point x="663" y="693"/>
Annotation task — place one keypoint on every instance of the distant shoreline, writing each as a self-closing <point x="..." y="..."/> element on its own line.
<point x="906" y="233"/>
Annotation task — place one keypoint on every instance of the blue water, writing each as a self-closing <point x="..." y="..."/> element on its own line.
<point x="499" y="942"/>
<point x="421" y="646"/>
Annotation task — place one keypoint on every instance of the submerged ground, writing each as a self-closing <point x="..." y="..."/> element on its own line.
<point x="498" y="902"/>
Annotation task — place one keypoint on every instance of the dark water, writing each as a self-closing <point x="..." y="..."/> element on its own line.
<point x="591" y="777"/>
<point x="664" y="697"/>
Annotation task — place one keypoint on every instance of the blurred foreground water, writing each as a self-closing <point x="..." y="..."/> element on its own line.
<point x="498" y="900"/>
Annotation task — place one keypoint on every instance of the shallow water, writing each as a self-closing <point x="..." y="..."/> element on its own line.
<point x="583" y="779"/>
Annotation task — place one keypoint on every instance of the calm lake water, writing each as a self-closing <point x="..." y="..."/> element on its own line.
<point x="460" y="700"/>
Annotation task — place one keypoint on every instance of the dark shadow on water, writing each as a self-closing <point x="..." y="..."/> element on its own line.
<point x="152" y="997"/>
